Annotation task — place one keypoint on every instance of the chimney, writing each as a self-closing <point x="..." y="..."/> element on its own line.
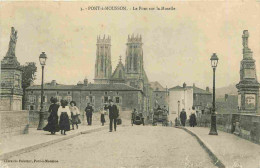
<point x="85" y="81"/>
<point x="184" y="85"/>
<point x="53" y="83"/>
<point x="207" y="89"/>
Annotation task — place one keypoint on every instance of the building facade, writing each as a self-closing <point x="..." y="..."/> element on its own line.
<point x="128" y="85"/>
<point x="124" y="96"/>
<point x="187" y="97"/>
<point x="160" y="95"/>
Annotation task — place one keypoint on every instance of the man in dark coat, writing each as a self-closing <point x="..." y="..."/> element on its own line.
<point x="133" y="116"/>
<point x="193" y="122"/>
<point x="183" y="117"/>
<point x="113" y="114"/>
<point x="89" y="112"/>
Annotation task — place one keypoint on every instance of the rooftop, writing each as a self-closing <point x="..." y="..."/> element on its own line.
<point x="107" y="87"/>
<point x="196" y="90"/>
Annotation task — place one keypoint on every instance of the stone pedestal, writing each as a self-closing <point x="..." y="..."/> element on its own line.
<point x="248" y="87"/>
<point x="11" y="78"/>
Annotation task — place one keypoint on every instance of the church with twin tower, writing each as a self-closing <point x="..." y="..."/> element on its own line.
<point x="132" y="73"/>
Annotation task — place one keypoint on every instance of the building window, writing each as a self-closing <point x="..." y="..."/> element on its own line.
<point x="156" y="95"/>
<point x="117" y="100"/>
<point x="31" y="92"/>
<point x="32" y="98"/>
<point x="90" y="93"/>
<point x="106" y="99"/>
<point x="105" y="93"/>
<point x="57" y="93"/>
<point x="120" y="74"/>
<point x="69" y="99"/>
<point x="69" y="93"/>
<point x="32" y="107"/>
<point x="59" y="98"/>
<point x="117" y="93"/>
<point x="45" y="99"/>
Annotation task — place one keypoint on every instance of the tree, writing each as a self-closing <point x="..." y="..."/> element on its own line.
<point x="28" y="76"/>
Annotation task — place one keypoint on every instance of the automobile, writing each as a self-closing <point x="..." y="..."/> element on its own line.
<point x="137" y="119"/>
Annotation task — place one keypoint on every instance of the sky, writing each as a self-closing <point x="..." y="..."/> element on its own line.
<point x="177" y="44"/>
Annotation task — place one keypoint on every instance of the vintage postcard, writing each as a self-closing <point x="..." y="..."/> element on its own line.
<point x="130" y="84"/>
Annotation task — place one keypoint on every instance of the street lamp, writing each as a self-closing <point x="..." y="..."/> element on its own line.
<point x="213" y="128"/>
<point x="42" y="60"/>
<point x="178" y="109"/>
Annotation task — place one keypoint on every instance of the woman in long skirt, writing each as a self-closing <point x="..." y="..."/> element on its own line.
<point x="74" y="114"/>
<point x="53" y="125"/>
<point x="65" y="116"/>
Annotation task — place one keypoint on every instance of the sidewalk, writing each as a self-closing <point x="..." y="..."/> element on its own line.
<point x="232" y="151"/>
<point x="36" y="139"/>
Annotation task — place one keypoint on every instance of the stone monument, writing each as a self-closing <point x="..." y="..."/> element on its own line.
<point x="248" y="87"/>
<point x="11" y="78"/>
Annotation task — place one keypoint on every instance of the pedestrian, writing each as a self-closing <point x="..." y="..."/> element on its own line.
<point x="74" y="114"/>
<point x="183" y="117"/>
<point x="113" y="115"/>
<point x="193" y="122"/>
<point x="53" y="125"/>
<point x="89" y="112"/>
<point x="142" y="117"/>
<point x="102" y="116"/>
<point x="64" y="115"/>
<point x="133" y="114"/>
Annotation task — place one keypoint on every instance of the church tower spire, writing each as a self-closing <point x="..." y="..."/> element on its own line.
<point x="134" y="55"/>
<point x="103" y="67"/>
<point x="134" y="67"/>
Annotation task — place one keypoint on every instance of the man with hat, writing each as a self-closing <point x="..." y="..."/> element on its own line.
<point x="89" y="112"/>
<point x="113" y="114"/>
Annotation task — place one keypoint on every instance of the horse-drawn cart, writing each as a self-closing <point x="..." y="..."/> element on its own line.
<point x="160" y="116"/>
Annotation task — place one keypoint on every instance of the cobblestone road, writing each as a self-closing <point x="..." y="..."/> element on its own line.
<point x="137" y="146"/>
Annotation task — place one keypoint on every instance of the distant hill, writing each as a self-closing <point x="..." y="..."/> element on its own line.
<point x="230" y="89"/>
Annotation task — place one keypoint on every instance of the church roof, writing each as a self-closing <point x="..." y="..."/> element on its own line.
<point x="96" y="87"/>
<point x="156" y="86"/>
<point x="116" y="74"/>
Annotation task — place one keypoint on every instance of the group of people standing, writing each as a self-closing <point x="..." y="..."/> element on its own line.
<point x="192" y="119"/>
<point x="62" y="116"/>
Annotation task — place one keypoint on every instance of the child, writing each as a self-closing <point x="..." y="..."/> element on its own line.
<point x="74" y="114"/>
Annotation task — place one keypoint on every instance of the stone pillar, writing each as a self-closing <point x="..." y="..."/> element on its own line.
<point x="248" y="87"/>
<point x="11" y="78"/>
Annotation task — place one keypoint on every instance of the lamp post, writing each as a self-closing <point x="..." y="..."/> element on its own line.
<point x="178" y="112"/>
<point x="213" y="128"/>
<point x="42" y="60"/>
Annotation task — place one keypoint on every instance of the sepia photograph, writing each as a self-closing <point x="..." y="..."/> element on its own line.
<point x="130" y="84"/>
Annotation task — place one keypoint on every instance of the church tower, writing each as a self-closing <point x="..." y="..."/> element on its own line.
<point x="134" y="61"/>
<point x="248" y="87"/>
<point x="103" y="67"/>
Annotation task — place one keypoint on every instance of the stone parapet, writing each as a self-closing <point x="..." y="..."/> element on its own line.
<point x="14" y="123"/>
<point x="246" y="126"/>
